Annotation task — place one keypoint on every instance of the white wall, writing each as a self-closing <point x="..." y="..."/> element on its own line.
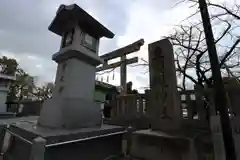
<point x="3" y="97"/>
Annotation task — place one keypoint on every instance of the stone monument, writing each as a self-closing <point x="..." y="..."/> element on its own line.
<point x="69" y="126"/>
<point x="164" y="101"/>
<point x="163" y="140"/>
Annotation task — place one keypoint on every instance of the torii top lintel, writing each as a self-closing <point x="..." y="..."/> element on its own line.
<point x="68" y="16"/>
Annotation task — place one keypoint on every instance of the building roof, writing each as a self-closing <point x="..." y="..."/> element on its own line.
<point x="105" y="86"/>
<point x="68" y="15"/>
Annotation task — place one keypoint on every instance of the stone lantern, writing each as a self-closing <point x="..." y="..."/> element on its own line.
<point x="72" y="104"/>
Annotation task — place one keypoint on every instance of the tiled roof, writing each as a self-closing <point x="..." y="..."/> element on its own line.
<point x="74" y="13"/>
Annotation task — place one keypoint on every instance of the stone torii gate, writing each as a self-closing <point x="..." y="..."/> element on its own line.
<point x="122" y="53"/>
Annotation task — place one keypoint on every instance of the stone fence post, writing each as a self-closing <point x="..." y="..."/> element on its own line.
<point x="38" y="149"/>
<point x="199" y="94"/>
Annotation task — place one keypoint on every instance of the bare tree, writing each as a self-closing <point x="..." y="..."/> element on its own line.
<point x="45" y="91"/>
<point x="190" y="48"/>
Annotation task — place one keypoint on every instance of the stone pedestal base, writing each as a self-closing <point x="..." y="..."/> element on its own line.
<point x="70" y="113"/>
<point x="155" y="145"/>
<point x="86" y="143"/>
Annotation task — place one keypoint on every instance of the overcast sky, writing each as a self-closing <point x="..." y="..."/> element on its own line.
<point x="24" y="31"/>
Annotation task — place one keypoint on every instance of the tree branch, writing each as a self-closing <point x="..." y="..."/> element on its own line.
<point x="225" y="9"/>
<point x="229" y="52"/>
<point x="188" y="76"/>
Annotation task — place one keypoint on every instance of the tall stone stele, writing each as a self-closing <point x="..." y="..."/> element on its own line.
<point x="164" y="99"/>
<point x="72" y="105"/>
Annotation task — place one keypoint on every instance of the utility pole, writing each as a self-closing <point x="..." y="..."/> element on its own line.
<point x="219" y="91"/>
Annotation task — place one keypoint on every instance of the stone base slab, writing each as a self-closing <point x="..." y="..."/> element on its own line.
<point x="86" y="143"/>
